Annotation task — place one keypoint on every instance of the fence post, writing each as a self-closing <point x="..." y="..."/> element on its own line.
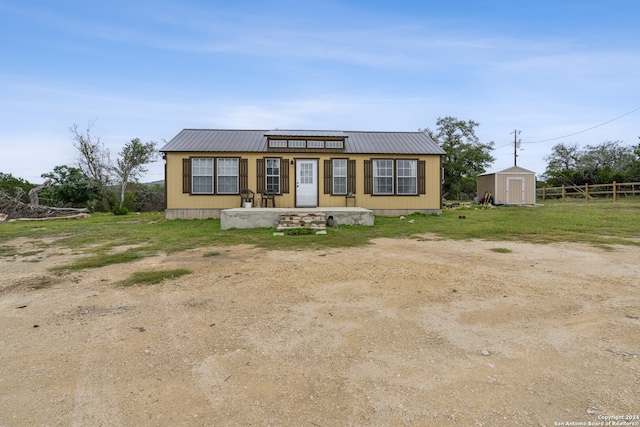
<point x="586" y="191"/>
<point x="614" y="191"/>
<point x="544" y="193"/>
<point x="563" y="192"/>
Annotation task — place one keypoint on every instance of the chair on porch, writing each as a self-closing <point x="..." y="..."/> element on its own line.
<point x="266" y="196"/>
<point x="247" y="195"/>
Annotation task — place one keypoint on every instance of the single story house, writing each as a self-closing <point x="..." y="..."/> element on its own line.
<point x="511" y="186"/>
<point x="390" y="173"/>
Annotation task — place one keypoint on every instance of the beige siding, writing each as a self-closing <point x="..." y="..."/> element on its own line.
<point x="430" y="201"/>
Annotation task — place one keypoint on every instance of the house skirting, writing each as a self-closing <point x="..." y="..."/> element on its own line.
<point x="336" y="212"/>
<point x="192" y="213"/>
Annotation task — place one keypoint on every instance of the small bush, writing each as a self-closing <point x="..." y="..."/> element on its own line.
<point x="120" y="210"/>
<point x="299" y="231"/>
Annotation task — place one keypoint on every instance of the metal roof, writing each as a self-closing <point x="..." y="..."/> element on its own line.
<point x="255" y="141"/>
<point x="307" y="133"/>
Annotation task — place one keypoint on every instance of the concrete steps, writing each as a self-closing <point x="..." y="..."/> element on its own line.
<point x="313" y="220"/>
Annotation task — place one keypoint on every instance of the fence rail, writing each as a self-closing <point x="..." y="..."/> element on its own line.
<point x="613" y="190"/>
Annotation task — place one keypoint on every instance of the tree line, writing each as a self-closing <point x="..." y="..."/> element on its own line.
<point x="95" y="181"/>
<point x="609" y="161"/>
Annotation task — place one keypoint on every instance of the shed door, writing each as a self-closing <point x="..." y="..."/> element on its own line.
<point x="515" y="191"/>
<point x="306" y="183"/>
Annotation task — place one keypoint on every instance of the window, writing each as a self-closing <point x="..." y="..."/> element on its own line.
<point x="277" y="143"/>
<point x="383" y="177"/>
<point x="315" y="144"/>
<point x="202" y="176"/>
<point x="297" y="143"/>
<point x="339" y="176"/>
<point x="407" y="173"/>
<point x="227" y="176"/>
<point x="335" y="144"/>
<point x="273" y="174"/>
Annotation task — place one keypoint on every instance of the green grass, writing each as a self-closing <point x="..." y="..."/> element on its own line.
<point x="97" y="261"/>
<point x="102" y="237"/>
<point x="152" y="277"/>
<point x="211" y="253"/>
<point x="501" y="250"/>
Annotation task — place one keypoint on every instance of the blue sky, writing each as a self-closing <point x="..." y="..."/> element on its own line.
<point x="148" y="69"/>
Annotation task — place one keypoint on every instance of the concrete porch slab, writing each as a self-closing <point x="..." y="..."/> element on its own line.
<point x="268" y="217"/>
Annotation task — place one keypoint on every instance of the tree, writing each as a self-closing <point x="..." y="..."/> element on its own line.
<point x="130" y="164"/>
<point x="69" y="187"/>
<point x="563" y="164"/>
<point x="610" y="161"/>
<point x="466" y="156"/>
<point x="16" y="187"/>
<point x="635" y="168"/>
<point x="595" y="164"/>
<point x="94" y="160"/>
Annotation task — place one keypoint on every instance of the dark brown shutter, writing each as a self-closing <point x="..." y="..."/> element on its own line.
<point x="368" y="177"/>
<point x="284" y="176"/>
<point x="351" y="176"/>
<point x="328" y="176"/>
<point x="243" y="166"/>
<point x="186" y="175"/>
<point x="422" y="177"/>
<point x="260" y="175"/>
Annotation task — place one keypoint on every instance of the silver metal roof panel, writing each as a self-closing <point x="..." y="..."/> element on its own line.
<point x="307" y="133"/>
<point x="255" y="141"/>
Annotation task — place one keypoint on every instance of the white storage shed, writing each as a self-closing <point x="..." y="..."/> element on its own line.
<point x="511" y="186"/>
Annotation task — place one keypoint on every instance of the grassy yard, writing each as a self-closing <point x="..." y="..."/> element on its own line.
<point x="600" y="223"/>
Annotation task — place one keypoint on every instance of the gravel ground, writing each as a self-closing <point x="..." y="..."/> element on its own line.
<point x="404" y="332"/>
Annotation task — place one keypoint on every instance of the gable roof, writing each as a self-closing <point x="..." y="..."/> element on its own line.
<point x="255" y="141"/>
<point x="512" y="169"/>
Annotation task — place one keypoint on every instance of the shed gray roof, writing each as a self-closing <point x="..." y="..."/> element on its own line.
<point x="255" y="141"/>
<point x="512" y="169"/>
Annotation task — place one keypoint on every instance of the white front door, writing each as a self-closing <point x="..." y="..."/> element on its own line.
<point x="306" y="183"/>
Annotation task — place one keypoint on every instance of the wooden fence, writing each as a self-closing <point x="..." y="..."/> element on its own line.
<point x="613" y="190"/>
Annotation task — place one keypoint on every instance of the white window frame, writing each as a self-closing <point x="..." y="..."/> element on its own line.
<point x="277" y="143"/>
<point x="223" y="172"/>
<point x="339" y="177"/>
<point x="313" y="143"/>
<point x="334" y="144"/>
<point x="406" y="174"/>
<point x="377" y="178"/>
<point x="274" y="183"/>
<point x="297" y="143"/>
<point x="199" y="170"/>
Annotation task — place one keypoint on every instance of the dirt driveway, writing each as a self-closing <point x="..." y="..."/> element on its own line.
<point x="405" y="332"/>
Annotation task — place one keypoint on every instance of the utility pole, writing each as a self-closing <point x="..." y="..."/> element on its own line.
<point x="516" y="145"/>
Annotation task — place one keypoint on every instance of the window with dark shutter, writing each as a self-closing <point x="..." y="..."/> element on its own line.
<point x="244" y="173"/>
<point x="186" y="175"/>
<point x="351" y="176"/>
<point x="422" y="177"/>
<point x="284" y="176"/>
<point x="328" y="176"/>
<point x="368" y="176"/>
<point x="260" y="175"/>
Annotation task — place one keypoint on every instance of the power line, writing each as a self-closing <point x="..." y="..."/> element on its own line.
<point x="582" y="131"/>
